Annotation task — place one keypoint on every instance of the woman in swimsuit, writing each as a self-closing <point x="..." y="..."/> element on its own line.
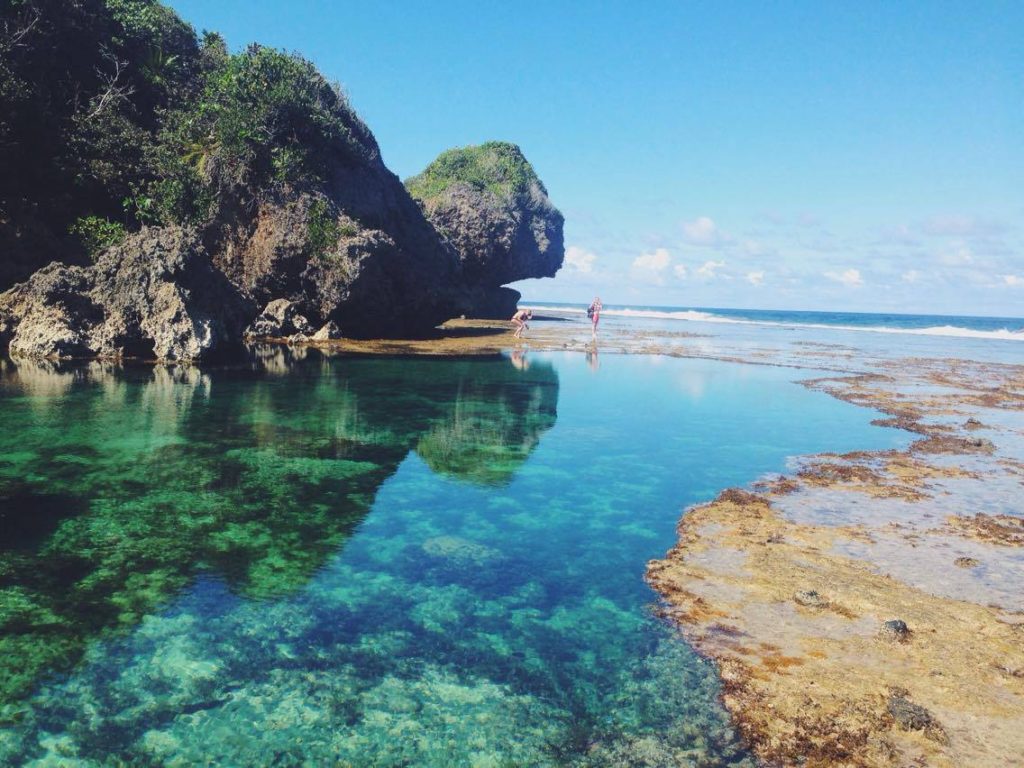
<point x="519" y="321"/>
<point x="594" y="312"/>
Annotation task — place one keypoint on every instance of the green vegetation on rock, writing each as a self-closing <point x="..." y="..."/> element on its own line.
<point x="97" y="233"/>
<point x="495" y="166"/>
<point x="138" y="121"/>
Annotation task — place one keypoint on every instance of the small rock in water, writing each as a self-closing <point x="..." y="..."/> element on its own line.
<point x="973" y="424"/>
<point x="912" y="717"/>
<point x="810" y="598"/>
<point x="966" y="562"/>
<point x="896" y="629"/>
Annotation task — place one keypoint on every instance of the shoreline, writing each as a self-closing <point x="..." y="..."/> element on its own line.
<point x="861" y="608"/>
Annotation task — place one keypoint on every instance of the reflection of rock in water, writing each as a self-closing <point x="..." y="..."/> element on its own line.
<point x="148" y="475"/>
<point x="277" y="358"/>
<point x="491" y="427"/>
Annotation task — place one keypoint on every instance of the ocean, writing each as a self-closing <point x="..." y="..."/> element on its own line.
<point x="954" y="326"/>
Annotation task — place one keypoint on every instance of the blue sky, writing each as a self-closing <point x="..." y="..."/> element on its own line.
<point x="815" y="155"/>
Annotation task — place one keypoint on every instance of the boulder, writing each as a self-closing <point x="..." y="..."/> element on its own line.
<point x="155" y="296"/>
<point x="329" y="332"/>
<point x="895" y="630"/>
<point x="278" y="319"/>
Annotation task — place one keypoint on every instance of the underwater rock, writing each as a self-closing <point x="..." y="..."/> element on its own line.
<point x="156" y="295"/>
<point x="966" y="562"/>
<point x="460" y="552"/>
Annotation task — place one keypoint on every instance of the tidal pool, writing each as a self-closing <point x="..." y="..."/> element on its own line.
<point x="311" y="560"/>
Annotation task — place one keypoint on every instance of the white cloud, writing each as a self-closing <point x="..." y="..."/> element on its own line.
<point x="756" y="277"/>
<point x="849" y="277"/>
<point x="680" y="271"/>
<point x="707" y="269"/>
<point x="911" y="276"/>
<point x="960" y="256"/>
<point x="701" y="231"/>
<point x="655" y="261"/>
<point x="579" y="260"/>
<point x="1014" y="281"/>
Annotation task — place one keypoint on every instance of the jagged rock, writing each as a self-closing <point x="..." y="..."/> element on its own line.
<point x="156" y="295"/>
<point x="278" y="319"/>
<point x="360" y="253"/>
<point x="489" y="203"/>
<point x="895" y="629"/>
<point x="329" y="332"/>
<point x="909" y="716"/>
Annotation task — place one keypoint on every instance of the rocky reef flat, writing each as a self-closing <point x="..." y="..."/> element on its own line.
<point x="863" y="609"/>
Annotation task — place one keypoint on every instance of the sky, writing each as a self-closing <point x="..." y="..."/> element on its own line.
<point x="862" y="156"/>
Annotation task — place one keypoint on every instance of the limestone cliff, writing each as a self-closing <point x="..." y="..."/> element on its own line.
<point x="180" y="196"/>
<point x="489" y="203"/>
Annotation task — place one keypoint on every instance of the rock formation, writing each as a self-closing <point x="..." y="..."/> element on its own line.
<point x="491" y="206"/>
<point x="155" y="296"/>
<point x="252" y="189"/>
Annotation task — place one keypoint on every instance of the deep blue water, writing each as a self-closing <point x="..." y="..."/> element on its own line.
<point x="372" y="561"/>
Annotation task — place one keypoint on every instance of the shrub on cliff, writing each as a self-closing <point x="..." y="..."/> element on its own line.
<point x="262" y="119"/>
<point x="115" y="110"/>
<point x="82" y="87"/>
<point x="495" y="166"/>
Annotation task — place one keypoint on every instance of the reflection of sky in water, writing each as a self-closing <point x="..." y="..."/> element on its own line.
<point x="320" y="570"/>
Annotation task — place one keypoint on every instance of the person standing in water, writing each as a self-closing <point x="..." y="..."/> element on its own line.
<point x="594" y="313"/>
<point x="519" y="321"/>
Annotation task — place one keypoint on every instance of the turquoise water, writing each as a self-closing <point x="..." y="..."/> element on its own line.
<point x="368" y="561"/>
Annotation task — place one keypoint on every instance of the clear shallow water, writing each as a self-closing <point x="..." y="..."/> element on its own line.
<point x="370" y="561"/>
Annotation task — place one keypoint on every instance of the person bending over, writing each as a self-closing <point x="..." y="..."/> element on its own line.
<point x="519" y="321"/>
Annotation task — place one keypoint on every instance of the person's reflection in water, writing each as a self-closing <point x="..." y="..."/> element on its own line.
<point x="592" y="360"/>
<point x="519" y="361"/>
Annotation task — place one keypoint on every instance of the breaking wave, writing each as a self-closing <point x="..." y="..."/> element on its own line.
<point x="692" y="315"/>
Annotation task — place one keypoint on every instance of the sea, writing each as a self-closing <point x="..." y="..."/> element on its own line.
<point x="955" y="326"/>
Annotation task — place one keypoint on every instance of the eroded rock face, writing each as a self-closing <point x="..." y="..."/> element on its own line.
<point x="491" y="206"/>
<point x="360" y="254"/>
<point x="278" y="319"/>
<point x="155" y="296"/>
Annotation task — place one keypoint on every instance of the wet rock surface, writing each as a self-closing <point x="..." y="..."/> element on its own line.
<point x="895" y="630"/>
<point x="912" y="717"/>
<point x="810" y="599"/>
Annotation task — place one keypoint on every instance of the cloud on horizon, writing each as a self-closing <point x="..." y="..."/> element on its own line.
<point x="848" y="277"/>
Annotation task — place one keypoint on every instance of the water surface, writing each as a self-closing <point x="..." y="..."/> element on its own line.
<point x="371" y="561"/>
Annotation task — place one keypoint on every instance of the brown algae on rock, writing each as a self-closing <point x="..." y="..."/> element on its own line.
<point x="905" y="673"/>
